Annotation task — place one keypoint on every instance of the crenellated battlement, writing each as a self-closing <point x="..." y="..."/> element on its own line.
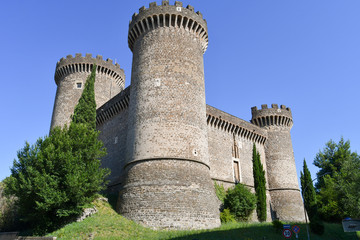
<point x="272" y="116"/>
<point x="166" y="15"/>
<point x="85" y="63"/>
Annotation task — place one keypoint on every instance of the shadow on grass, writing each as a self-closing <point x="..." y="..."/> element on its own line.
<point x="265" y="232"/>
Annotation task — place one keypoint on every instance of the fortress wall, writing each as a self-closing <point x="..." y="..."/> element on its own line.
<point x="179" y="198"/>
<point x="112" y="124"/>
<point x="222" y="139"/>
<point x="225" y="133"/>
<point x="221" y="145"/>
<point x="113" y="135"/>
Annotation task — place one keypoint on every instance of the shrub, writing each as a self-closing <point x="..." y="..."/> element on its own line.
<point x="316" y="226"/>
<point x="277" y="224"/>
<point x="8" y="211"/>
<point x="226" y="216"/>
<point x="220" y="191"/>
<point x="240" y="201"/>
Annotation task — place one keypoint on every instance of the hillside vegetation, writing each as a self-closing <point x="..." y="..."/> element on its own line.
<point x="107" y="224"/>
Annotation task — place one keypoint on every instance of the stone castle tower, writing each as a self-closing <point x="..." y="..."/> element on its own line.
<point x="167" y="162"/>
<point x="165" y="146"/>
<point x="70" y="77"/>
<point x="280" y="162"/>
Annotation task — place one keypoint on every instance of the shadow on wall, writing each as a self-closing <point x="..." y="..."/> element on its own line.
<point x="112" y="198"/>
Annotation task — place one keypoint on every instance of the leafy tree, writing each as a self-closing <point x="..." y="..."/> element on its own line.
<point x="55" y="178"/>
<point x="338" y="192"/>
<point x="348" y="181"/>
<point x="308" y="191"/>
<point x="260" y="185"/>
<point x="331" y="159"/>
<point x="240" y="201"/>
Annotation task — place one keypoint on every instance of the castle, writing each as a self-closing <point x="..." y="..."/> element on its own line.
<point x="165" y="146"/>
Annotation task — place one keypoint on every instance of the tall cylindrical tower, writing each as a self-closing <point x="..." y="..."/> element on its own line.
<point x="286" y="202"/>
<point x="70" y="76"/>
<point x="168" y="181"/>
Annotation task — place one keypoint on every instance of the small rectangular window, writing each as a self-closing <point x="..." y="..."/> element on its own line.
<point x="236" y="171"/>
<point x="78" y="85"/>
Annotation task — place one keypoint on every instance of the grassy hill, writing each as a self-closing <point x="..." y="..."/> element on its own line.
<point x="107" y="224"/>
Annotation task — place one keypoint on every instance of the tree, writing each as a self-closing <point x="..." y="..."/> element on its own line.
<point x="240" y="201"/>
<point x="331" y="159"/>
<point x="260" y="185"/>
<point x="348" y="181"/>
<point x="59" y="175"/>
<point x="338" y="192"/>
<point x="308" y="191"/>
<point x="85" y="110"/>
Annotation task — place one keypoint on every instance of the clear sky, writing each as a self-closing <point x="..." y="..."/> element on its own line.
<point x="303" y="54"/>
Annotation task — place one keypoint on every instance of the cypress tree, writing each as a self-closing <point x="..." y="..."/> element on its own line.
<point x="85" y="110"/>
<point x="308" y="192"/>
<point x="260" y="185"/>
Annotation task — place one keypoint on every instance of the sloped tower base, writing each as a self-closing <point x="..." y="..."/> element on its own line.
<point x="182" y="197"/>
<point x="287" y="205"/>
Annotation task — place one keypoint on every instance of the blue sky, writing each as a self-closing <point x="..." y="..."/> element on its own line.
<point x="303" y="54"/>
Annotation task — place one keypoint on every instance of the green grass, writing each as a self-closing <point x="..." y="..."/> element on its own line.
<point x="107" y="224"/>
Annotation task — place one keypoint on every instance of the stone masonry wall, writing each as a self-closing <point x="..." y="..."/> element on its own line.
<point x="221" y="153"/>
<point x="178" y="198"/>
<point x="113" y="135"/>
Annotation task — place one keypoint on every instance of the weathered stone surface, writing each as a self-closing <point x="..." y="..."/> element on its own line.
<point x="87" y="212"/>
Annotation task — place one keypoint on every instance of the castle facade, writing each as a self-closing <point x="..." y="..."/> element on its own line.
<point x="165" y="146"/>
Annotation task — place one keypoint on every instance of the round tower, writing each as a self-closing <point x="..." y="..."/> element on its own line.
<point x="168" y="182"/>
<point x="70" y="77"/>
<point x="286" y="201"/>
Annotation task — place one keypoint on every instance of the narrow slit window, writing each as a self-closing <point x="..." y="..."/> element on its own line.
<point x="236" y="171"/>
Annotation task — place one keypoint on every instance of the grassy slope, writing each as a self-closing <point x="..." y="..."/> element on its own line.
<point x="107" y="224"/>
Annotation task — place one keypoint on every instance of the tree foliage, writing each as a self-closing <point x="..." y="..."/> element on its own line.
<point x="226" y="216"/>
<point x="338" y="191"/>
<point x="260" y="185"/>
<point x="60" y="174"/>
<point x="240" y="201"/>
<point x="85" y="110"/>
<point x="308" y="191"/>
<point x="220" y="191"/>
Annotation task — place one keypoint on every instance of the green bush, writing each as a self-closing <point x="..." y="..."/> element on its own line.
<point x="226" y="216"/>
<point x="317" y="226"/>
<point x="220" y="191"/>
<point x="278" y="225"/>
<point x="8" y="211"/>
<point x="240" y="201"/>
